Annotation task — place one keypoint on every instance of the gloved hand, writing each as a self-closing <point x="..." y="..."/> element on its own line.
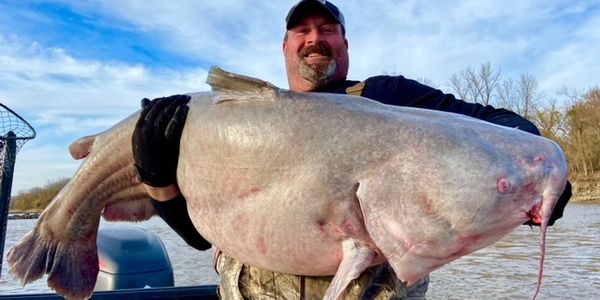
<point x="155" y="140"/>
<point x="559" y="208"/>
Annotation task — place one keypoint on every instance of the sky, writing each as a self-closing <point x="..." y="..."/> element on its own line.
<point x="74" y="67"/>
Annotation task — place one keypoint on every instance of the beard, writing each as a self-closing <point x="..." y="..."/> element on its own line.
<point x="319" y="74"/>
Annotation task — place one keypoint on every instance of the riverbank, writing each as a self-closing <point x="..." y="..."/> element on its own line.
<point x="586" y="189"/>
<point x="23" y="215"/>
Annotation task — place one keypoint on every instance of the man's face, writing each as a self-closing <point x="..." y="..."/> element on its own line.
<point x="316" y="53"/>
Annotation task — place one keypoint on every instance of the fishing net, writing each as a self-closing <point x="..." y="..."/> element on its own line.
<point x="14" y="132"/>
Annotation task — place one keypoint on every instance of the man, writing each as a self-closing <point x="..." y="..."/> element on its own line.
<point x="316" y="55"/>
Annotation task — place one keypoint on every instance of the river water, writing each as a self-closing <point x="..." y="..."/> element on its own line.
<point x="506" y="270"/>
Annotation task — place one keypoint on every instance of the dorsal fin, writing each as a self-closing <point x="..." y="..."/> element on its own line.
<point x="234" y="87"/>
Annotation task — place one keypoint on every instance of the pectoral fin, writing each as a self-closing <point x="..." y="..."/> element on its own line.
<point x="357" y="258"/>
<point x="82" y="147"/>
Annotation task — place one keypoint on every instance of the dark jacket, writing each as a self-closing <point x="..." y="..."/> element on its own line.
<point x="400" y="91"/>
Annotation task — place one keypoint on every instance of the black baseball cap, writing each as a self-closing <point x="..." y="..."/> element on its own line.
<point x="304" y="7"/>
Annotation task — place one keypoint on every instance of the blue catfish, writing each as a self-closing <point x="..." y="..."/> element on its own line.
<point x="309" y="184"/>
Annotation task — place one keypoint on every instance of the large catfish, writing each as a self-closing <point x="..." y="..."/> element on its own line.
<point x="309" y="183"/>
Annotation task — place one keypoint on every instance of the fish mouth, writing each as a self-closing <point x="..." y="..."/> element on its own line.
<point x="536" y="214"/>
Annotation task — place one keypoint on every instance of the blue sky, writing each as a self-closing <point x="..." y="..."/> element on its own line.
<point x="75" y="67"/>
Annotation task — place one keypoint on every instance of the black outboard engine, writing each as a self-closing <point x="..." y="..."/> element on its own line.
<point x="131" y="257"/>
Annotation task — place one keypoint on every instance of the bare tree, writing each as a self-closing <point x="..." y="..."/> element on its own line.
<point x="458" y="86"/>
<point x="529" y="95"/>
<point x="475" y="86"/>
<point x="507" y="95"/>
<point x="520" y="96"/>
<point x="489" y="79"/>
<point x="572" y="95"/>
<point x="551" y="120"/>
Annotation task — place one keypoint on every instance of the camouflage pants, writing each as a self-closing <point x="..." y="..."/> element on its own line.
<point x="240" y="281"/>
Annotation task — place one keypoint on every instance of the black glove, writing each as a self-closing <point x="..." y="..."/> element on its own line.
<point x="559" y="208"/>
<point x="174" y="212"/>
<point x="155" y="140"/>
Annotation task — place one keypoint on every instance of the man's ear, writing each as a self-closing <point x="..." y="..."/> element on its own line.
<point x="285" y="38"/>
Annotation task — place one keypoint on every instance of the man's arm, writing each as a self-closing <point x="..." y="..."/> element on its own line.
<point x="397" y="90"/>
<point x="174" y="212"/>
<point x="155" y="145"/>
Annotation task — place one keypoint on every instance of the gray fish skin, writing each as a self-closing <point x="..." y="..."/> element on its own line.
<point x="311" y="184"/>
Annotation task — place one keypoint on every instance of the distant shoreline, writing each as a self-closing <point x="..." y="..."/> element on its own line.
<point x="36" y="214"/>
<point x="23" y="215"/>
<point x="586" y="200"/>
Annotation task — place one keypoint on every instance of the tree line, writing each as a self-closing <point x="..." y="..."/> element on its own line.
<point x="37" y="198"/>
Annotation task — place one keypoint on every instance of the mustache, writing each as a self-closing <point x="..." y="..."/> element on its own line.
<point x="319" y="48"/>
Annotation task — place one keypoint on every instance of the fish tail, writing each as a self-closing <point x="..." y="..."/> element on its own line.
<point x="72" y="268"/>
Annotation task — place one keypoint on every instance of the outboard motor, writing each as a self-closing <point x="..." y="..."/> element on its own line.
<point x="131" y="257"/>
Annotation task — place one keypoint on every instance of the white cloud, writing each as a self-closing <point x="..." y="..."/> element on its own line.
<point x="65" y="98"/>
<point x="241" y="35"/>
<point x="49" y="81"/>
<point x="574" y="62"/>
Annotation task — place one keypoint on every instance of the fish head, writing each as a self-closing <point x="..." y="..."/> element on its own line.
<point x="459" y="195"/>
<point x="537" y="185"/>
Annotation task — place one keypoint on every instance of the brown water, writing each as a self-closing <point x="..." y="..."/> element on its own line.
<point x="506" y="270"/>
